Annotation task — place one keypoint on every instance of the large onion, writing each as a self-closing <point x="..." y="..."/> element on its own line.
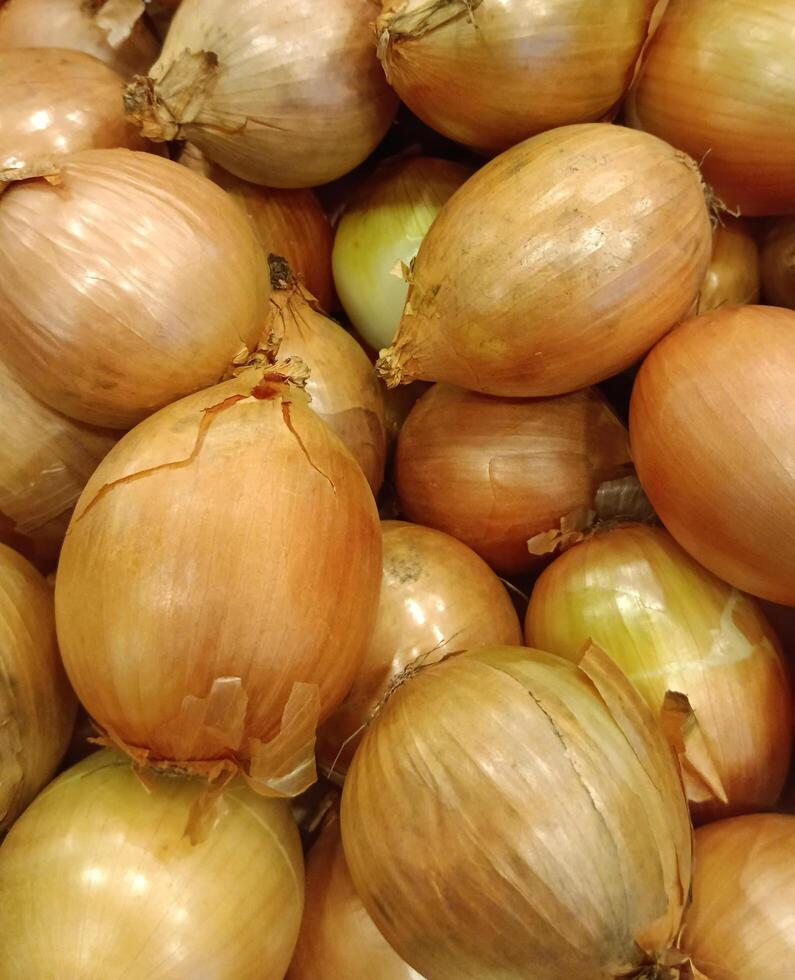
<point x="557" y="265"/>
<point x="712" y="426"/>
<point x="127" y="283"/>
<point x="436" y="596"/>
<point x="494" y="472"/>
<point x="511" y="815"/>
<point x="37" y="707"/>
<point x="98" y="879"/>
<point x="778" y="264"/>
<point x="733" y="275"/>
<point x="672" y="626"/>
<point x="292" y="96"/>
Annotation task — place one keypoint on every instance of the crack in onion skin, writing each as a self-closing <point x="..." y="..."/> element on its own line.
<point x="712" y="431"/>
<point x="778" y="264"/>
<point x="733" y="275"/>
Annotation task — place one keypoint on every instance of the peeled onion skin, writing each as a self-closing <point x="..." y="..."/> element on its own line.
<point x="712" y="428"/>
<point x="778" y="264"/>
<point x="733" y="275"/>
<point x="98" y="880"/>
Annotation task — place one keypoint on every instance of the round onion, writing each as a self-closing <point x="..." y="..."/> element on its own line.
<point x="733" y="275"/>
<point x="494" y="472"/>
<point x="712" y="427"/>
<point x="261" y="546"/>
<point x="124" y="285"/>
<point x="719" y="82"/>
<point x="437" y="596"/>
<point x="98" y="879"/>
<point x="672" y="626"/>
<point x="293" y="96"/>
<point x="382" y="227"/>
<point x="509" y="814"/>
<point x="520" y="291"/>
<point x="37" y="707"/>
<point x="778" y="264"/>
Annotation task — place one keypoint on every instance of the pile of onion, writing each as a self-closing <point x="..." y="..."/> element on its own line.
<point x="712" y="426"/>
<point x="126" y="281"/>
<point x="778" y="264"/>
<point x="733" y="275"/>
<point x="99" y="878"/>
<point x="292" y="97"/>
<point x="517" y="290"/>
<point x="671" y="626"/>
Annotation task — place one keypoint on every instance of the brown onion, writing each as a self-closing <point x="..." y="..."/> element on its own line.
<point x="125" y="282"/>
<point x="778" y="264"/>
<point x="733" y="275"/>
<point x="494" y="472"/>
<point x="712" y="428"/>
<point x="293" y="96"/>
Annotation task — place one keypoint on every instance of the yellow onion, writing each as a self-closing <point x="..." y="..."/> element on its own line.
<point x="338" y="938"/>
<point x="712" y="427"/>
<point x="557" y="265"/>
<point x="670" y="625"/>
<point x="778" y="264"/>
<point x="739" y="925"/>
<point x="37" y="707"/>
<point x="99" y="879"/>
<point x="125" y="282"/>
<point x="289" y="95"/>
<point x="381" y="228"/>
<point x="509" y="814"/>
<point x="494" y="472"/>
<point x="219" y="580"/>
<point x="718" y="82"/>
<point x="437" y="596"/>
<point x="733" y="275"/>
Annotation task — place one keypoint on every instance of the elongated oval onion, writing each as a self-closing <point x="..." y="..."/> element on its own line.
<point x="125" y="285"/>
<point x="293" y="96"/>
<point x="493" y="472"/>
<point x="778" y="264"/>
<point x="670" y="625"/>
<point x="719" y="82"/>
<point x="37" y="707"/>
<point x="739" y="925"/>
<point x="712" y="427"/>
<point x="383" y="226"/>
<point x="517" y="290"/>
<point x="525" y="793"/>
<point x="261" y="546"/>
<point x="733" y="275"/>
<point x="437" y="596"/>
<point x="98" y="879"/>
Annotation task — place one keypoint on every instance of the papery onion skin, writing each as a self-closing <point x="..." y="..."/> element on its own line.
<point x="437" y="596"/>
<point x="98" y="879"/>
<point x="733" y="275"/>
<point x="670" y="625"/>
<point x="302" y="109"/>
<point x="562" y="821"/>
<point x="128" y="284"/>
<point x="517" y="292"/>
<point x="37" y="706"/>
<point x="712" y="430"/>
<point x="493" y="472"/>
<point x="778" y="264"/>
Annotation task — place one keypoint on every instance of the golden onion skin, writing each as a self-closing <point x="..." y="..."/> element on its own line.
<point x="778" y="264"/>
<point x="733" y="275"/>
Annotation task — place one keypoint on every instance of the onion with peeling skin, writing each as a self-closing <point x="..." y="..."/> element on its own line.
<point x="733" y="275"/>
<point x="778" y="264"/>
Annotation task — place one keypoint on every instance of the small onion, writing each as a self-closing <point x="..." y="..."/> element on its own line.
<point x="557" y="265"/>
<point x="733" y="275"/>
<point x="125" y="284"/>
<point x="37" y="707"/>
<point x="494" y="472"/>
<point x="291" y="96"/>
<point x="382" y="227"/>
<point x="778" y="264"/>
<point x="712" y="428"/>
<point x="437" y="596"/>
<point x="670" y="625"/>
<point x="509" y="814"/>
<point x="98" y="879"/>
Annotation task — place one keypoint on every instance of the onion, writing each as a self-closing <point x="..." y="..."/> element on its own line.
<point x="37" y="707"/>
<point x="557" y="265"/>
<point x="261" y="546"/>
<point x="733" y="275"/>
<point x="291" y="96"/>
<point x="672" y="626"/>
<point x="494" y="472"/>
<point x="712" y="427"/>
<point x="739" y="925"/>
<point x="382" y="227"/>
<point x="719" y="82"/>
<point x="509" y="814"/>
<point x="778" y="264"/>
<point x="436" y="596"/>
<point x="99" y="880"/>
<point x="124" y="285"/>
